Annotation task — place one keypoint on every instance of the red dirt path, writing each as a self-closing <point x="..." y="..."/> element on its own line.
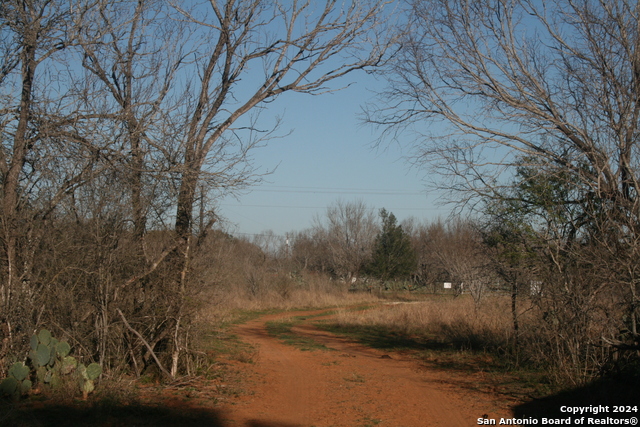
<point x="351" y="386"/>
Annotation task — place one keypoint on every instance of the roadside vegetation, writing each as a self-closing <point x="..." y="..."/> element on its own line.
<point x="447" y="332"/>
<point x="123" y="123"/>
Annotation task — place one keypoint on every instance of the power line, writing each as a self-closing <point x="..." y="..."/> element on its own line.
<point x="336" y="190"/>
<point x="272" y="206"/>
<point x="276" y="235"/>
<point x="319" y="207"/>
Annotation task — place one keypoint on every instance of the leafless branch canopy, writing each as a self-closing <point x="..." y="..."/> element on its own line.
<point x="487" y="83"/>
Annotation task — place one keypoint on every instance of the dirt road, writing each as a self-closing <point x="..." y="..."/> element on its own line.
<point x="350" y="385"/>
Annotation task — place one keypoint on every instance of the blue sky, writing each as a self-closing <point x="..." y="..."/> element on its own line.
<point x="328" y="156"/>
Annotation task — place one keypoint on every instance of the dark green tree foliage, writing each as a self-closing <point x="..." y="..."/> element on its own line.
<point x="393" y="255"/>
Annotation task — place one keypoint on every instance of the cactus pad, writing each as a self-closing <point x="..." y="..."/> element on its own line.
<point x="87" y="387"/>
<point x="93" y="371"/>
<point x="52" y="355"/>
<point x="34" y="342"/>
<point x="42" y="355"/>
<point x="63" y="349"/>
<point x="19" y="371"/>
<point x="44" y="336"/>
<point x="82" y="372"/>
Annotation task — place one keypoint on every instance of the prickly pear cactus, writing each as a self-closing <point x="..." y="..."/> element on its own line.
<point x="50" y="365"/>
<point x="17" y="383"/>
<point x="86" y="376"/>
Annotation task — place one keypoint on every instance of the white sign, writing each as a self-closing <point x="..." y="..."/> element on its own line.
<point x="447" y="285"/>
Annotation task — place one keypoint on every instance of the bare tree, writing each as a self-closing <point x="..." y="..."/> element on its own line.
<point x="514" y="79"/>
<point x="143" y="54"/>
<point x="350" y="230"/>
<point x="132" y="52"/>
<point x="259" y="51"/>
<point x="462" y="255"/>
<point x="46" y="148"/>
<point x="552" y="84"/>
<point x="311" y="251"/>
<point x="426" y="238"/>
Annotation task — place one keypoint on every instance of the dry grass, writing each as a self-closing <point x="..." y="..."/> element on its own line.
<point x="453" y="320"/>
<point x="278" y="292"/>
<point x="449" y="333"/>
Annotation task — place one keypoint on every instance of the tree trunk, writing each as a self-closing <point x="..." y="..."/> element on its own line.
<point x="11" y="197"/>
<point x="184" y="212"/>
<point x="514" y="315"/>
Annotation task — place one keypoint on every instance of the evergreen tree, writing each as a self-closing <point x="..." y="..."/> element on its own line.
<point x="393" y="255"/>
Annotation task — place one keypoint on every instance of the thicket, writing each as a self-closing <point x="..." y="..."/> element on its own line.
<point x="537" y="117"/>
<point x="121" y="124"/>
